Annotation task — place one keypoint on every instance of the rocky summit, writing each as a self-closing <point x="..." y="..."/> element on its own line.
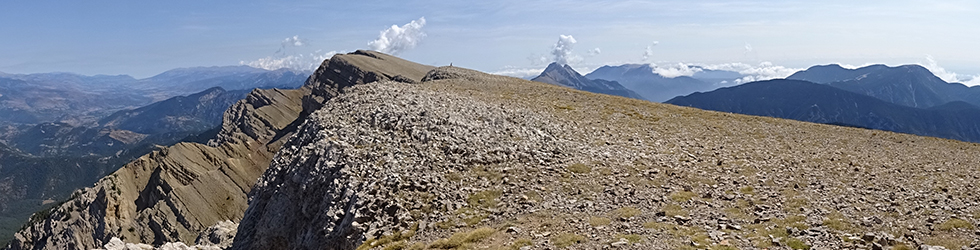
<point x="389" y="154"/>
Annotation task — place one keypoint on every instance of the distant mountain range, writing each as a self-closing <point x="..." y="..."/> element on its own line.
<point x="161" y="123"/>
<point x="196" y="112"/>
<point x="906" y="99"/>
<point x="47" y="161"/>
<point x="82" y="100"/>
<point x="62" y="131"/>
<point x="907" y="85"/>
<point x="566" y="76"/>
<point x="657" y="88"/>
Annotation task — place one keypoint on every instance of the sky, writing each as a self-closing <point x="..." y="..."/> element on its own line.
<point x="144" y="38"/>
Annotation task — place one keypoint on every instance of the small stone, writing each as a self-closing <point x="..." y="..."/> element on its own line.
<point x="621" y="243"/>
<point x="681" y="219"/>
<point x="775" y="241"/>
<point x="725" y="243"/>
<point x="868" y="237"/>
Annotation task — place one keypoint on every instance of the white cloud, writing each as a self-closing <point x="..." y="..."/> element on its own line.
<point x="750" y="73"/>
<point x="306" y="62"/>
<point x="562" y="50"/>
<point x="594" y="52"/>
<point x="648" y="52"/>
<point x="675" y="70"/>
<point x="292" y="41"/>
<point x="395" y="40"/>
<point x="519" y="72"/>
<point x="949" y="76"/>
<point x="973" y="82"/>
<point x="281" y="59"/>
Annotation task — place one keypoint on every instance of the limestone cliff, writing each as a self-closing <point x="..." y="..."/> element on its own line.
<point x="177" y="192"/>
<point x="173" y="193"/>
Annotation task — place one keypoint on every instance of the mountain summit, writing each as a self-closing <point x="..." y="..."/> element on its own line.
<point x="566" y="76"/>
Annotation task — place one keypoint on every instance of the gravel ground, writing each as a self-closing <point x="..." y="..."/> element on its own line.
<point x="469" y="160"/>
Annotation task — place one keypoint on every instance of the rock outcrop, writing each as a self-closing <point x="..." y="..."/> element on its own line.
<point x="465" y="159"/>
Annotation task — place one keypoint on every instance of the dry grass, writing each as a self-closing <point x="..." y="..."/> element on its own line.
<point x="682" y="196"/>
<point x="838" y="222"/>
<point x="674" y="210"/>
<point x="462" y="239"/>
<point x="627" y="212"/>
<point x="795" y="243"/>
<point x="949" y="241"/>
<point x="631" y="238"/>
<point x="953" y="224"/>
<point x="484" y="199"/>
<point x="564" y="240"/>
<point x="579" y="168"/>
<point x="599" y="221"/>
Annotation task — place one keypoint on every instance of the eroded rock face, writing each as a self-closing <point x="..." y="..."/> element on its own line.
<point x="175" y="194"/>
<point x="359" y="67"/>
<point x="172" y="194"/>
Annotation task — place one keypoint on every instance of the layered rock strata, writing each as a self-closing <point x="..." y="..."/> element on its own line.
<point x="176" y="193"/>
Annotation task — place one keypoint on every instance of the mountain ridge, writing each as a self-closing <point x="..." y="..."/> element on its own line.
<point x="460" y="159"/>
<point x="652" y="86"/>
<point x="907" y="85"/>
<point x="168" y="195"/>
<point x="566" y="76"/>
<point x="820" y="103"/>
<point x="465" y="159"/>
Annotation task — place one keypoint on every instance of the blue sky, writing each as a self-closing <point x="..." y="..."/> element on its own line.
<point x="143" y="38"/>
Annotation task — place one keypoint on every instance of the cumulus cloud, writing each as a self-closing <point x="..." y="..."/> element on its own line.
<point x="292" y="41"/>
<point x="395" y="39"/>
<point x="973" y="81"/>
<point x="561" y="52"/>
<point x="296" y="61"/>
<point x="750" y="73"/>
<point x="306" y="62"/>
<point x="675" y="70"/>
<point x="648" y="53"/>
<point x="594" y="52"/>
<point x="949" y="76"/>
<point x="525" y="73"/>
